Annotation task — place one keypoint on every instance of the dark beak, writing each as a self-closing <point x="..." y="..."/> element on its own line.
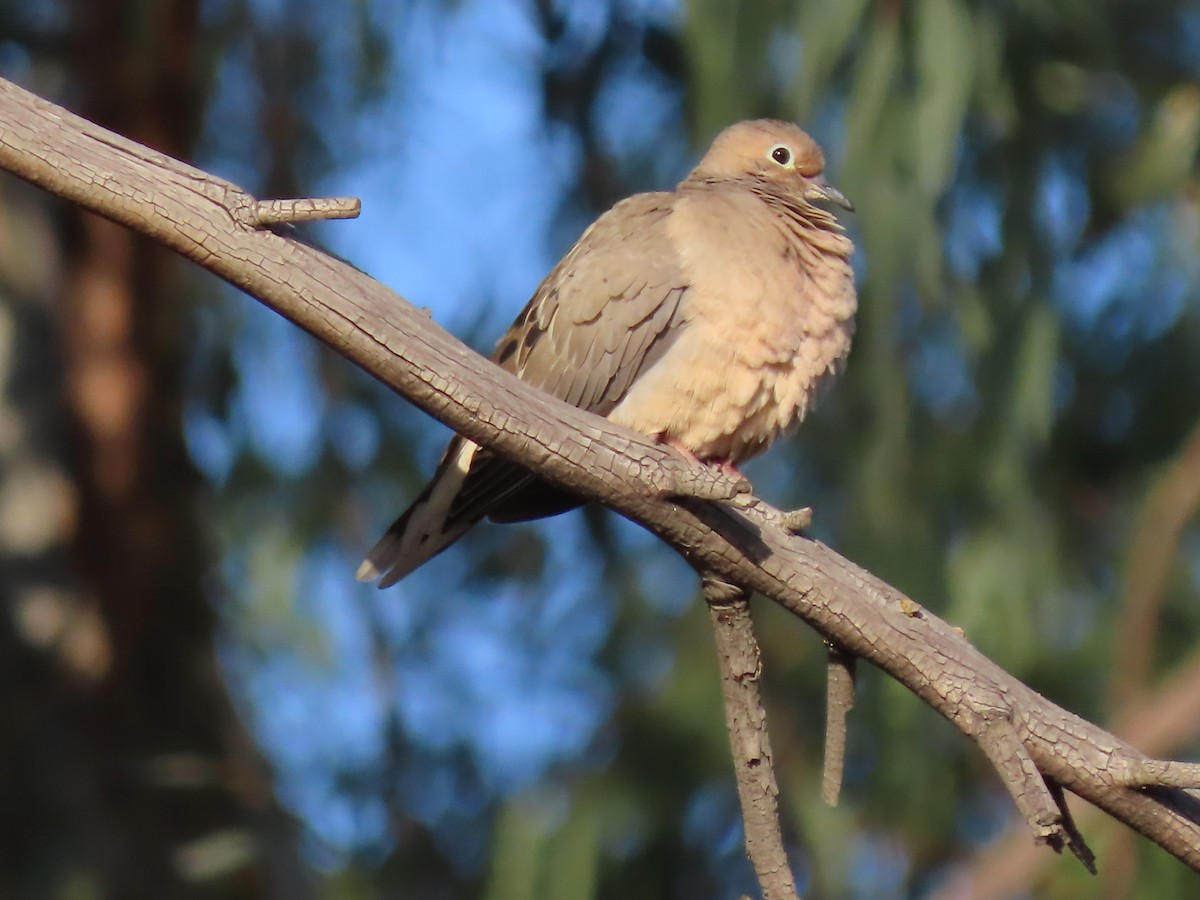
<point x="821" y="190"/>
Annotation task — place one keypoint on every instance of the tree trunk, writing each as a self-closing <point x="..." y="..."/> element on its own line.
<point x="125" y="768"/>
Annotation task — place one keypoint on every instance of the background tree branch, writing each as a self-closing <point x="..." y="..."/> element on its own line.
<point x="740" y="664"/>
<point x="214" y="223"/>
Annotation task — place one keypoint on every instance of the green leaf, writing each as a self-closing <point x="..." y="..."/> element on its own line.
<point x="1032" y="405"/>
<point x="945" y="64"/>
<point x="825" y="30"/>
<point x="517" y="842"/>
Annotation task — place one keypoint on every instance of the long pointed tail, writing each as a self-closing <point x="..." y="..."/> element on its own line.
<point x="426" y="528"/>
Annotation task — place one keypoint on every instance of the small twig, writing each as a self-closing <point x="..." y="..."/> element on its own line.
<point x="798" y="521"/>
<point x="1074" y="836"/>
<point x="839" y="700"/>
<point x="741" y="666"/>
<point x="795" y="521"/>
<point x="1035" y="800"/>
<point x="268" y="213"/>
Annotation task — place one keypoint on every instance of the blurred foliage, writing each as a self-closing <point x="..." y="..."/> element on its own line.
<point x="1027" y="356"/>
<point x="537" y="713"/>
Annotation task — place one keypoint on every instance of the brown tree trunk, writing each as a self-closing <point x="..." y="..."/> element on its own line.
<point x="130" y="772"/>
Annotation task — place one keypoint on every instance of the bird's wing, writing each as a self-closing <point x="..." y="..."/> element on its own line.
<point x="605" y="312"/>
<point x="601" y="317"/>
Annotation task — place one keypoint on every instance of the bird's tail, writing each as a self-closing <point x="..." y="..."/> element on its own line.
<point x="427" y="527"/>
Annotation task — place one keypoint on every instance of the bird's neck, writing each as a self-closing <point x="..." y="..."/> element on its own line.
<point x="821" y="225"/>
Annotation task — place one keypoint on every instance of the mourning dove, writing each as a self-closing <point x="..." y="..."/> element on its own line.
<point x="707" y="318"/>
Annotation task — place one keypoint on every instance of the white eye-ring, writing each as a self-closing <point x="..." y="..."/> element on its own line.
<point x="781" y="154"/>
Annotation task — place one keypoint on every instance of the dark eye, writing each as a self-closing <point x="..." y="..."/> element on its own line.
<point x="781" y="154"/>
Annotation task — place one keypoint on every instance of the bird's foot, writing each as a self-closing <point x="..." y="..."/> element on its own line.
<point x="723" y="466"/>
<point x="682" y="450"/>
<point x="727" y="467"/>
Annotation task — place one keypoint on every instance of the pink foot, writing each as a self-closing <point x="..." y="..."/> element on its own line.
<point x="725" y="465"/>
<point x="729" y="469"/>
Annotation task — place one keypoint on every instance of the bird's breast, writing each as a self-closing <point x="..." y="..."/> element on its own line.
<point x="768" y="319"/>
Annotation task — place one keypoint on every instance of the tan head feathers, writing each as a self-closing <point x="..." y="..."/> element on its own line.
<point x="770" y="152"/>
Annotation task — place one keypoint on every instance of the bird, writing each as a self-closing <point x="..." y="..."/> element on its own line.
<point x="709" y="318"/>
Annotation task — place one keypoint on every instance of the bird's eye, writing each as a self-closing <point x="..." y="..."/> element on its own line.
<point x="781" y="154"/>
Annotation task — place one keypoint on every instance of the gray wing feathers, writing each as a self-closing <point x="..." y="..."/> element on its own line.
<point x="590" y="328"/>
<point x="603" y="315"/>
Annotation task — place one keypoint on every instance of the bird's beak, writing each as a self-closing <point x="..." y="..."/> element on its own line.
<point x="819" y="189"/>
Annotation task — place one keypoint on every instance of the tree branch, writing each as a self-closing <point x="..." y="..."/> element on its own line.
<point x="746" y="721"/>
<point x="214" y="223"/>
<point x="1169" y="506"/>
<point x="1011" y="864"/>
<point x="839" y="700"/>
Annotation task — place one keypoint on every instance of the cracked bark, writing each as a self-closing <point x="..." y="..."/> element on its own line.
<point x="214" y="223"/>
<point x="746" y="721"/>
<point x="839" y="700"/>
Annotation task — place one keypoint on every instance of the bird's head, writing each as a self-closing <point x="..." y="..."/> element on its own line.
<point x="773" y="153"/>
